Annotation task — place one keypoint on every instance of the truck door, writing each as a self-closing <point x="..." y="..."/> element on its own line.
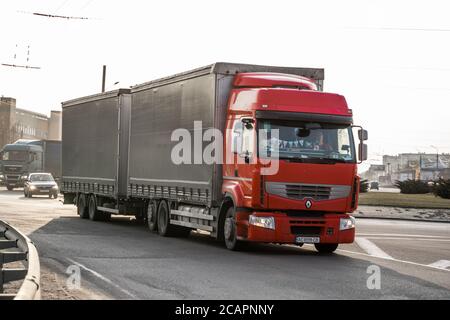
<point x="246" y="157"/>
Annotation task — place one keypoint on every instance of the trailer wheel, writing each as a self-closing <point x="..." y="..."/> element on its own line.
<point x="230" y="232"/>
<point x="165" y="229"/>
<point x="94" y="214"/>
<point x="326" y="247"/>
<point x="81" y="206"/>
<point x="152" y="216"/>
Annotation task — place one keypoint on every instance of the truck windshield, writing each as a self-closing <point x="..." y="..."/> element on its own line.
<point x="14" y="156"/>
<point x="307" y="142"/>
<point x="41" y="177"/>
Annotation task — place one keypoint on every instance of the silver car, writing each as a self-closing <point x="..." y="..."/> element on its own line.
<point x="41" y="184"/>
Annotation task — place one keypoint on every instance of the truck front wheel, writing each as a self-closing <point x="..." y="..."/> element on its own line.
<point x="326" y="247"/>
<point x="230" y="231"/>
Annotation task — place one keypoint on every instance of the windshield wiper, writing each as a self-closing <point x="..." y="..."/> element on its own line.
<point x="314" y="160"/>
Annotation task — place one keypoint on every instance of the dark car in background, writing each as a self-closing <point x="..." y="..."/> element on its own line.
<point x="40" y="184"/>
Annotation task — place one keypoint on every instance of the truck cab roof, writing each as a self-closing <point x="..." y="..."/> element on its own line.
<point x="21" y="147"/>
<point x="272" y="79"/>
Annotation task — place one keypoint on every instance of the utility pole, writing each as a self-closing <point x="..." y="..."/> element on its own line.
<point x="104" y="78"/>
<point x="437" y="156"/>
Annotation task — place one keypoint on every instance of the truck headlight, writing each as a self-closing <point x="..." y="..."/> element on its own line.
<point x="263" y="222"/>
<point x="347" y="223"/>
<point x="32" y="187"/>
<point x="23" y="177"/>
<point x="55" y="187"/>
<point x="2" y="177"/>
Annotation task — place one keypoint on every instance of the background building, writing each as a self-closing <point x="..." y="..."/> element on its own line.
<point x="16" y="123"/>
<point x="421" y="166"/>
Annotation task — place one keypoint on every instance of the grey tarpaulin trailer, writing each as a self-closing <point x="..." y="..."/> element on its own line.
<point x="95" y="144"/>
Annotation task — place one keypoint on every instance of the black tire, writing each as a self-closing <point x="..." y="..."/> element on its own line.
<point x="50" y="196"/>
<point x="326" y="247"/>
<point x="165" y="229"/>
<point x="94" y="214"/>
<point x="24" y="193"/>
<point x="9" y="188"/>
<point x="230" y="232"/>
<point x="30" y="194"/>
<point x="81" y="207"/>
<point x="152" y="219"/>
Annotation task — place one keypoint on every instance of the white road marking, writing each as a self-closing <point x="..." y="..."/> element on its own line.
<point x="401" y="239"/>
<point x="400" y="235"/>
<point x="393" y="259"/>
<point x="371" y="248"/>
<point x="98" y="275"/>
<point x="442" y="264"/>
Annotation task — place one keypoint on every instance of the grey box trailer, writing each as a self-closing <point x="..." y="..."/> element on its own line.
<point x="159" y="107"/>
<point x="52" y="157"/>
<point x="95" y="133"/>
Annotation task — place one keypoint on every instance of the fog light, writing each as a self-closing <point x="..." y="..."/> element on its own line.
<point x="263" y="222"/>
<point x="347" y="223"/>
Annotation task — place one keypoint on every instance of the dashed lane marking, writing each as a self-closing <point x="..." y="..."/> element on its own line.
<point x="442" y="264"/>
<point x="371" y="248"/>
<point x="103" y="278"/>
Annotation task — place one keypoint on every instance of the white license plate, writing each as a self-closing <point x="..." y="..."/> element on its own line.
<point x="299" y="239"/>
<point x="44" y="191"/>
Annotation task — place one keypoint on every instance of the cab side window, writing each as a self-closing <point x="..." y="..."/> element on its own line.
<point x="237" y="133"/>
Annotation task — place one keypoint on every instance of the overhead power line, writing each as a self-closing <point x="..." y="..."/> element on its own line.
<point x="58" y="16"/>
<point x="47" y="15"/>
<point x="19" y="66"/>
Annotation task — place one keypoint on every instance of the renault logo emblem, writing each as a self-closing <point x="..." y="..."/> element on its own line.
<point x="308" y="204"/>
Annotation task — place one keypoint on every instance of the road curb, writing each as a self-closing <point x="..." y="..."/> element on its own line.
<point x="401" y="219"/>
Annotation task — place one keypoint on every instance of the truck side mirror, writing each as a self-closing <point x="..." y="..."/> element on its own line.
<point x="363" y="135"/>
<point x="362" y="152"/>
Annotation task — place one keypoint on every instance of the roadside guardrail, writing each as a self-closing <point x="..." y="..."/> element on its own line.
<point x="17" y="247"/>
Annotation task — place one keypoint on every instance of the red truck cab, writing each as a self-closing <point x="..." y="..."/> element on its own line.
<point x="293" y="175"/>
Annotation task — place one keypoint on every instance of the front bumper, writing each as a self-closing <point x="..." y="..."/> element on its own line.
<point x="12" y="180"/>
<point x="287" y="228"/>
<point x="46" y="191"/>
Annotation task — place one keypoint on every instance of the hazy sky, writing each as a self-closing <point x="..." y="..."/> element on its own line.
<point x="390" y="59"/>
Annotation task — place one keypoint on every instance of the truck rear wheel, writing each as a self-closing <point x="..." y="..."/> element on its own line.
<point x="152" y="216"/>
<point x="165" y="229"/>
<point x="81" y="207"/>
<point x="94" y="214"/>
<point x="230" y="231"/>
<point x="326" y="247"/>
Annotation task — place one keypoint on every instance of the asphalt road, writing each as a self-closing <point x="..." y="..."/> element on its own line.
<point x="122" y="260"/>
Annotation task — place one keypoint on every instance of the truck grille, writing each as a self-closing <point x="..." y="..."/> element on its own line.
<point x="314" y="191"/>
<point x="12" y="169"/>
<point x="306" y="231"/>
